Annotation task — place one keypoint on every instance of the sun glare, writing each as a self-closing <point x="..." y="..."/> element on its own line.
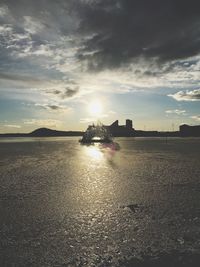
<point x="95" y="108"/>
<point x="94" y="153"/>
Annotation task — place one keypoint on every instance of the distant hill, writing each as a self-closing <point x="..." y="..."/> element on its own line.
<point x="50" y="132"/>
<point x="43" y="132"/>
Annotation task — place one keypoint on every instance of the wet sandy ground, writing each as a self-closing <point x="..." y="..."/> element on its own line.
<point x="65" y="204"/>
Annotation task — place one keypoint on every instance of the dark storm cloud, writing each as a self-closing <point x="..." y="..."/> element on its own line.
<point x="122" y="30"/>
<point x="42" y="37"/>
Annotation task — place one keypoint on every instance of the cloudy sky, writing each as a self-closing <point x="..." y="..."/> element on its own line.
<point x="136" y="59"/>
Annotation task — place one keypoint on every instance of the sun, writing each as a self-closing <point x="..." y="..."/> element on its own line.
<point x="95" y="108"/>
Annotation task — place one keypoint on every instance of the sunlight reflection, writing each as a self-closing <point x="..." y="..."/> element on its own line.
<point x="94" y="152"/>
<point x="99" y="152"/>
<point x="97" y="162"/>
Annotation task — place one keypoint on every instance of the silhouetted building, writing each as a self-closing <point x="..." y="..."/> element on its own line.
<point x="187" y="130"/>
<point x="129" y="124"/>
<point x="114" y="124"/>
<point x="121" y="130"/>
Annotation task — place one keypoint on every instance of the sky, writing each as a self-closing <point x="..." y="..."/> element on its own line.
<point x="135" y="59"/>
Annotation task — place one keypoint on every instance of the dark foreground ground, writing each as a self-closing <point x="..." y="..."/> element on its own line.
<point x="65" y="204"/>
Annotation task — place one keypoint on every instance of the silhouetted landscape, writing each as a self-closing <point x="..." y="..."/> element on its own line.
<point x="43" y="132"/>
<point x="116" y="130"/>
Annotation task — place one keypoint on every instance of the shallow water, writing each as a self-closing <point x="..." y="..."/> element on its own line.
<point x="66" y="204"/>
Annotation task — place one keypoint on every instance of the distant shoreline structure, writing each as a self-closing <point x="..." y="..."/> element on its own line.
<point x="116" y="130"/>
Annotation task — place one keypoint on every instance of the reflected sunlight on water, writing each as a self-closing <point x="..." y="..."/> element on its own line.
<point x="93" y="177"/>
<point x="94" y="152"/>
<point x="96" y="205"/>
<point x="100" y="152"/>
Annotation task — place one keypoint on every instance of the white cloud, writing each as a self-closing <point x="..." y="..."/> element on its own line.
<point x="3" y="11"/>
<point x="6" y="30"/>
<point x="87" y="120"/>
<point x="176" y="111"/>
<point x="94" y="119"/>
<point x="112" y="112"/>
<point x="12" y="126"/>
<point x="32" y="26"/>
<point x="44" y="122"/>
<point x="193" y="95"/>
<point x="195" y="117"/>
<point x="28" y="50"/>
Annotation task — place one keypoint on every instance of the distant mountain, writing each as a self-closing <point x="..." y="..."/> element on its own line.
<point x="43" y="132"/>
